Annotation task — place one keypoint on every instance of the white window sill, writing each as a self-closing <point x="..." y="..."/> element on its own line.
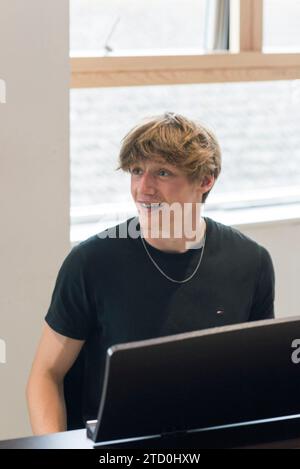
<point x="241" y="216"/>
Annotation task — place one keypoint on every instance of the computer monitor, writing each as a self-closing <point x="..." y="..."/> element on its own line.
<point x="209" y="379"/>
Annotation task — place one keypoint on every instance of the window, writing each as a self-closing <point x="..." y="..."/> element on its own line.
<point x="249" y="98"/>
<point x="256" y="123"/>
<point x="281" y="25"/>
<point x="106" y="26"/>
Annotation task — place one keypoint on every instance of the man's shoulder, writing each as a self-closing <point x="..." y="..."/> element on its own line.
<point x="229" y="236"/>
<point x="105" y="240"/>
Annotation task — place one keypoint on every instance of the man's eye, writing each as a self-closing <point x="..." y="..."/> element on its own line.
<point x="136" y="171"/>
<point x="163" y="172"/>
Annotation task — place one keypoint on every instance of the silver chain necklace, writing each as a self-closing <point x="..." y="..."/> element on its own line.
<point x="167" y="276"/>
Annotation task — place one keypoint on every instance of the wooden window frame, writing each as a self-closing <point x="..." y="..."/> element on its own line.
<point x="245" y="61"/>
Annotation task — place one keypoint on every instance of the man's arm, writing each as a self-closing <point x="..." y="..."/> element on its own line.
<point x="55" y="356"/>
<point x="263" y="301"/>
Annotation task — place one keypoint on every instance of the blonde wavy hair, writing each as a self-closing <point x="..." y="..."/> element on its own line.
<point x="181" y="142"/>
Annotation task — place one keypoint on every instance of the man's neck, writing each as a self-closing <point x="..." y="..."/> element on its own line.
<point x="177" y="245"/>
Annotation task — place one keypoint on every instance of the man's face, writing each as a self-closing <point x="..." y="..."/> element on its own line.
<point x="158" y="182"/>
<point x="157" y="185"/>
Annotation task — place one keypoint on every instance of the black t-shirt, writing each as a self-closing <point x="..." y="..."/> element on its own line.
<point x="108" y="291"/>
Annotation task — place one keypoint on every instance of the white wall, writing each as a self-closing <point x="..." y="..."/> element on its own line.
<point x="34" y="185"/>
<point x="281" y="238"/>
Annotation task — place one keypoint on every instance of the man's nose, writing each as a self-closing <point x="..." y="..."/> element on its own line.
<point x="147" y="183"/>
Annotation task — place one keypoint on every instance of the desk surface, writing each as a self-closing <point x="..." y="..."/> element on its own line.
<point x="252" y="437"/>
<point x="65" y="440"/>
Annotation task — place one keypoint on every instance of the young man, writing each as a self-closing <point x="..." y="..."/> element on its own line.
<point x="143" y="280"/>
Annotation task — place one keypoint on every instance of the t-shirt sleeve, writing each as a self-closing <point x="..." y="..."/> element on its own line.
<point x="70" y="312"/>
<point x="263" y="301"/>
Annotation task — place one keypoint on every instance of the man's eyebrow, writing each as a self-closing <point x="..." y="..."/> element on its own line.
<point x="162" y="163"/>
<point x="156" y="164"/>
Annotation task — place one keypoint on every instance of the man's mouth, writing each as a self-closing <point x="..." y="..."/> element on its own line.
<point x="151" y="206"/>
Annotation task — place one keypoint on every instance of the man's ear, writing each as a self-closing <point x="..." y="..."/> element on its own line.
<point x="207" y="184"/>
